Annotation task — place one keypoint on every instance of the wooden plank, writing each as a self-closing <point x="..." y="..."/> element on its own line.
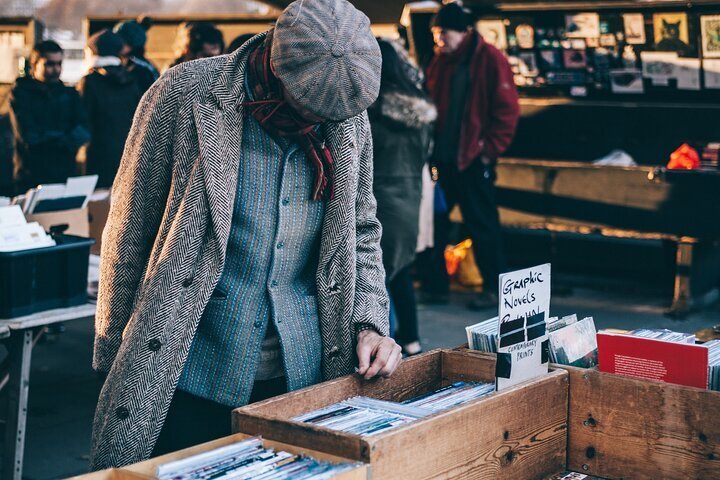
<point x="518" y="433"/>
<point x="301" y="434"/>
<point x="621" y="427"/>
<point x="415" y="376"/>
<point x="148" y="468"/>
<point x="458" y="366"/>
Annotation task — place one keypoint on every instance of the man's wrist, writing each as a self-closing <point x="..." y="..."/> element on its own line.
<point x="365" y="327"/>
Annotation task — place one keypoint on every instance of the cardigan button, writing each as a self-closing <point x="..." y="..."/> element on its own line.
<point x="122" y="413"/>
<point x="154" y="345"/>
<point x="334" y="352"/>
<point x="187" y="282"/>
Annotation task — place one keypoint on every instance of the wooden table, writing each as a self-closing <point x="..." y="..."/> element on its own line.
<point x="18" y="335"/>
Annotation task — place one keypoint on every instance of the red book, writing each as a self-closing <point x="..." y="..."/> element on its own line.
<point x="671" y="362"/>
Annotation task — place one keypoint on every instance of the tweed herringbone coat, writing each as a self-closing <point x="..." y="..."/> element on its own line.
<point x="163" y="249"/>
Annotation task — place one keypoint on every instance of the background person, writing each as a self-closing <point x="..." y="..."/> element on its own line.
<point x="401" y="120"/>
<point x="471" y="83"/>
<point x="110" y="94"/>
<point x="48" y="121"/>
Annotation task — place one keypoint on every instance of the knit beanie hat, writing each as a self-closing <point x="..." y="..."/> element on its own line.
<point x="326" y="57"/>
<point x="132" y="32"/>
<point x="451" y="16"/>
<point x="105" y="44"/>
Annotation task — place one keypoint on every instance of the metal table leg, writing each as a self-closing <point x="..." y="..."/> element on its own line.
<point x="19" y="353"/>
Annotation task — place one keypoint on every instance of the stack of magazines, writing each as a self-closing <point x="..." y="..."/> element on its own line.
<point x="483" y="336"/>
<point x="250" y="459"/>
<point x="451" y="396"/>
<point x="664" y="334"/>
<point x="573" y="342"/>
<point x="713" y="364"/>
<point x="368" y="416"/>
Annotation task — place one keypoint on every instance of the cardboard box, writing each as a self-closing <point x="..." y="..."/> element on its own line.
<point x="76" y="219"/>
<point x="517" y="433"/>
<point x="98" y="211"/>
<point x="147" y="469"/>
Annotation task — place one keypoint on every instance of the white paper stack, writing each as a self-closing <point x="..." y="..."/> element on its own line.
<point x="17" y="235"/>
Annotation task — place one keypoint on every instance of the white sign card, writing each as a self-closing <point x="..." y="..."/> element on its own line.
<point x="711" y="70"/>
<point x="523" y="311"/>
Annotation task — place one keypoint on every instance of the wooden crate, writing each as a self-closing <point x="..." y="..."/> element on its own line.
<point x="518" y="433"/>
<point x="622" y="427"/>
<point x="147" y="469"/>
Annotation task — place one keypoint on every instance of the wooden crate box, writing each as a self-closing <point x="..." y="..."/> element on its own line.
<point x="519" y="433"/>
<point x="629" y="428"/>
<point x="623" y="427"/>
<point x="146" y="470"/>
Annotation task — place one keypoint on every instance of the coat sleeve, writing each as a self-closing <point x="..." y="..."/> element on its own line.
<point x="78" y="132"/>
<point x="504" y="110"/>
<point x="371" y="300"/>
<point x="24" y="125"/>
<point x="139" y="195"/>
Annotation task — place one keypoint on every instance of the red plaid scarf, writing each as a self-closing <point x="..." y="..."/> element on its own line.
<point x="276" y="116"/>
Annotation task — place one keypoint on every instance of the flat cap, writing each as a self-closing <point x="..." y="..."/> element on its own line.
<point x="326" y="57"/>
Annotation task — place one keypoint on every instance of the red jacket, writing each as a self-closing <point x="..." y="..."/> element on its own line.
<point x="492" y="109"/>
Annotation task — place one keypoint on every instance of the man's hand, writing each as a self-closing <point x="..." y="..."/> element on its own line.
<point x="378" y="355"/>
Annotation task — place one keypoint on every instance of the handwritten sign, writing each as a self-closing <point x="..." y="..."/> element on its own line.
<point x="523" y="312"/>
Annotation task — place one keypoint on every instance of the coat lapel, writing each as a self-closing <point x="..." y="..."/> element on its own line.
<point x="218" y="120"/>
<point x="340" y="140"/>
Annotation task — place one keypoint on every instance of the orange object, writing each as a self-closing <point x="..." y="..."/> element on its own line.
<point x="684" y="158"/>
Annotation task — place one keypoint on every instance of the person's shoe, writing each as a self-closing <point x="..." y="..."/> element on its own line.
<point x="484" y="301"/>
<point x="412" y="348"/>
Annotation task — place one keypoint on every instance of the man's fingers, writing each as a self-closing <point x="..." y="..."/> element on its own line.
<point x="364" y="353"/>
<point x="381" y="358"/>
<point x="393" y="362"/>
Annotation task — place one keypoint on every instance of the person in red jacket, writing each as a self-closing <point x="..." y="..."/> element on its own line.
<point x="471" y="83"/>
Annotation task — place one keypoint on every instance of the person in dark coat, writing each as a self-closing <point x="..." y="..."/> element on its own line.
<point x="110" y="95"/>
<point x="471" y="83"/>
<point x="198" y="40"/>
<point x="134" y="34"/>
<point x="48" y="121"/>
<point x="401" y="121"/>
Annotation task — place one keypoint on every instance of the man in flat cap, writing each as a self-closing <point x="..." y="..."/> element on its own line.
<point x="241" y="258"/>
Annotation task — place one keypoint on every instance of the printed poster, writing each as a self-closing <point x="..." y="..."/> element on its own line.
<point x="493" y="32"/>
<point x="710" y="28"/>
<point x="671" y="32"/>
<point x="523" y="312"/>
<point x="583" y="25"/>
<point x="634" y="24"/>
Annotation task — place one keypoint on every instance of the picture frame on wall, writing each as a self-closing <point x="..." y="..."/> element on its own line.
<point x="671" y="32"/>
<point x="710" y="30"/>
<point x="634" y="27"/>
<point x="582" y="25"/>
<point x="493" y="32"/>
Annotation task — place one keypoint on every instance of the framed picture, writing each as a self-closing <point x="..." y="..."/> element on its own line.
<point x="710" y="28"/>
<point x="634" y="26"/>
<point x="627" y="80"/>
<point x="525" y="36"/>
<point x="671" y="32"/>
<point x="493" y="32"/>
<point x="575" y="59"/>
<point x="550" y="60"/>
<point x="528" y="64"/>
<point x="583" y="25"/>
